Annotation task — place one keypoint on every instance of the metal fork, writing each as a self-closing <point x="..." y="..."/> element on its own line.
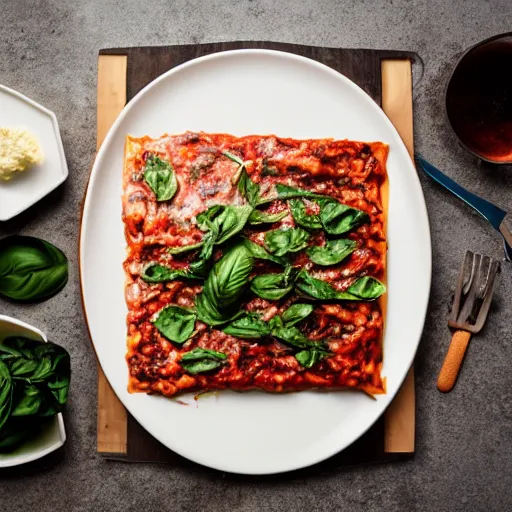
<point x="475" y="288"/>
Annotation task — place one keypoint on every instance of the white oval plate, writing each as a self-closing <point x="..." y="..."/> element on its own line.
<point x="255" y="92"/>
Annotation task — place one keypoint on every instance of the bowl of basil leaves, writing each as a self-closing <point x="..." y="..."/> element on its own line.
<point x="34" y="382"/>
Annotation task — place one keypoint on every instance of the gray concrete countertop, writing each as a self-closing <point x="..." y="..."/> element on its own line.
<point x="48" y="51"/>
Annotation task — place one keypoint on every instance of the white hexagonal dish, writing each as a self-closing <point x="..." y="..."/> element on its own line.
<point x="54" y="434"/>
<point x="18" y="194"/>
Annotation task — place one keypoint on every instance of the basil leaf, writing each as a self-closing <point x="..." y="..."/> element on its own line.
<point x="175" y="323"/>
<point x="248" y="326"/>
<point x="233" y="157"/>
<point x="31" y="269"/>
<point x="286" y="192"/>
<point x="333" y="252"/>
<point x="223" y="222"/>
<point x="199" y="353"/>
<point x="241" y="165"/>
<point x="161" y="178"/>
<point x="274" y="286"/>
<point x="308" y="358"/>
<point x="339" y="218"/>
<point x="282" y="241"/>
<point x="367" y="288"/>
<point x="184" y="248"/>
<point x="248" y="189"/>
<point x="202" y="360"/>
<point x="261" y="253"/>
<point x="294" y="337"/>
<point x="364" y="288"/>
<point x="30" y="402"/>
<point x="5" y="393"/>
<point x="301" y="217"/>
<point x="225" y="285"/>
<point x="296" y="313"/>
<point x="231" y="221"/>
<point x="206" y="365"/>
<point x="256" y="217"/>
<point x="157" y="273"/>
<point x="39" y="374"/>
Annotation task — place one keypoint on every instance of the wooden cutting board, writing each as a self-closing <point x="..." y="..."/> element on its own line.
<point x="387" y="77"/>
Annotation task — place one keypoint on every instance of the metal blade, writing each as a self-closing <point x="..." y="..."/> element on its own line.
<point x="487" y="210"/>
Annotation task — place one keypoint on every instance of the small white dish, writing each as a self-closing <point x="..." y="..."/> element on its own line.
<point x="18" y="194"/>
<point x="54" y="435"/>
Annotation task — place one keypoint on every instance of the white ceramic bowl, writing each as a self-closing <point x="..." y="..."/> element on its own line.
<point x="24" y="190"/>
<point x="54" y="435"/>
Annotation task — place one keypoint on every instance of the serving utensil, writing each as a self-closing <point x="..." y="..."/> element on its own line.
<point x="499" y="219"/>
<point x="471" y="303"/>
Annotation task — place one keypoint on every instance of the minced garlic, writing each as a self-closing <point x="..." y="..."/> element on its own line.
<point x="19" y="150"/>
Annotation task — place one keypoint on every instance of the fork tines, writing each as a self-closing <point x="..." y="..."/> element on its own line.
<point x="474" y="292"/>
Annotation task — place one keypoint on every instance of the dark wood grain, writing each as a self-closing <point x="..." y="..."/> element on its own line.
<point x="360" y="65"/>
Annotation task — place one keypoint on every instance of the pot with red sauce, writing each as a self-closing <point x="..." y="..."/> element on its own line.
<point x="479" y="99"/>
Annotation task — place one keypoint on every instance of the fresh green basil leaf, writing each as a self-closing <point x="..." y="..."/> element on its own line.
<point x="333" y="252"/>
<point x="367" y="288"/>
<point x="285" y="192"/>
<point x="275" y="322"/>
<point x="202" y="360"/>
<point x="261" y="253"/>
<point x="225" y="285"/>
<point x="175" y="323"/>
<point x="248" y="326"/>
<point x="301" y="217"/>
<point x="209" y="313"/>
<point x="233" y="157"/>
<point x="207" y="365"/>
<point x="185" y="248"/>
<point x="282" y="241"/>
<point x="364" y="288"/>
<point x="291" y="335"/>
<point x="161" y="178"/>
<point x="308" y="358"/>
<point x="256" y="217"/>
<point x="6" y="389"/>
<point x="23" y="368"/>
<point x="222" y="222"/>
<point x="30" y="402"/>
<point x="231" y="221"/>
<point x="31" y="269"/>
<point x="296" y="313"/>
<point x="248" y="189"/>
<point x="199" y="353"/>
<point x="59" y="387"/>
<point x="241" y="165"/>
<point x="338" y="218"/>
<point x="40" y="374"/>
<point x="205" y="218"/>
<point x="274" y="286"/>
<point x="157" y="273"/>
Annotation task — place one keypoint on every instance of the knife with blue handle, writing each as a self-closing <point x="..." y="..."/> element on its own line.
<point x="499" y="219"/>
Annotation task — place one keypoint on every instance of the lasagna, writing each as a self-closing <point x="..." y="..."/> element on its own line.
<point x="254" y="262"/>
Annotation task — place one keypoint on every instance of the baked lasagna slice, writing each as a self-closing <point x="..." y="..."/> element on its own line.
<point x="254" y="262"/>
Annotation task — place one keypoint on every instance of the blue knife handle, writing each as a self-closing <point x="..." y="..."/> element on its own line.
<point x="487" y="210"/>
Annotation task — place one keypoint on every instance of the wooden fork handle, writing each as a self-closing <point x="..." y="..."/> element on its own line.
<point x="453" y="361"/>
